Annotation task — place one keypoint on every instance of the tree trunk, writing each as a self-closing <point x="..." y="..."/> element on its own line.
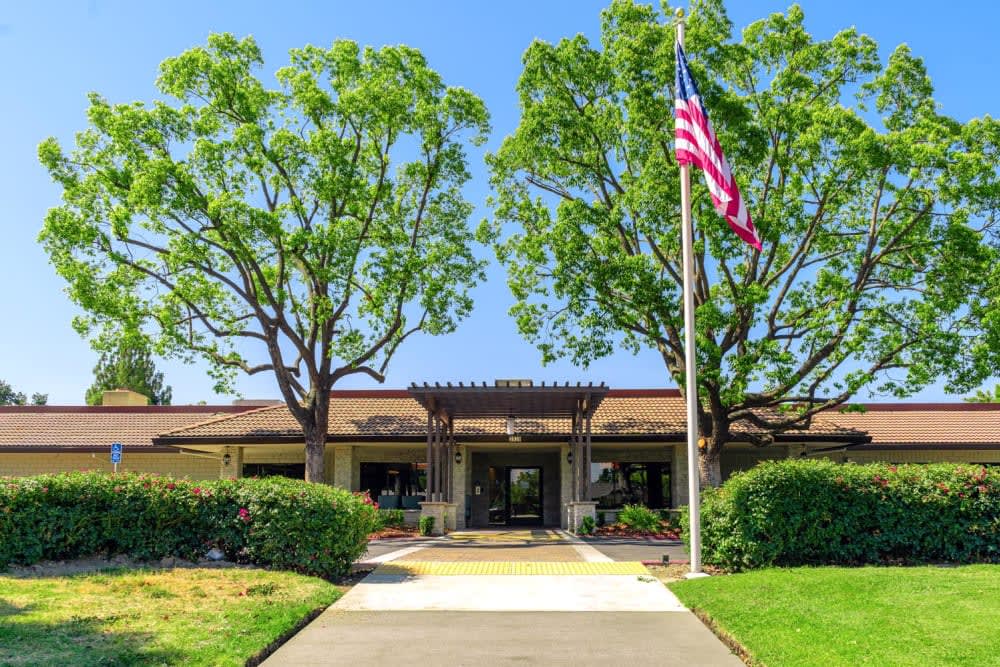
<point x="709" y="465"/>
<point x="315" y="454"/>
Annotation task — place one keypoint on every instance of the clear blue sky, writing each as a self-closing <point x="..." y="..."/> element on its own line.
<point x="54" y="53"/>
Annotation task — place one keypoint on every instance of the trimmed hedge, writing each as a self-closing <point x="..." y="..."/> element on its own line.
<point x="284" y="523"/>
<point x="813" y="512"/>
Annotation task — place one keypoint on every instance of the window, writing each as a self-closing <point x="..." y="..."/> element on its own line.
<point x="393" y="479"/>
<point x="292" y="470"/>
<point x="615" y="484"/>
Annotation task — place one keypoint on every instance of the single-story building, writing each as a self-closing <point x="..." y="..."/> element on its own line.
<point x="510" y="453"/>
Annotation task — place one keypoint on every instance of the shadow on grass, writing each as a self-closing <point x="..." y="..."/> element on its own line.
<point x="82" y="639"/>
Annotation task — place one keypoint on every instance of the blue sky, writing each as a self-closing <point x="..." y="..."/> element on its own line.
<point x="54" y="53"/>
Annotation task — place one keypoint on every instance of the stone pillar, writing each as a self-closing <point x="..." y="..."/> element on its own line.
<point x="576" y="511"/>
<point x="459" y="487"/>
<point x="565" y="485"/>
<point x="231" y="463"/>
<point x="442" y="513"/>
<point x="679" y="475"/>
<point x="343" y="467"/>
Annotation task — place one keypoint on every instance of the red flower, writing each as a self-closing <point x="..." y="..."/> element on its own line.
<point x="171" y="486"/>
<point x="196" y="490"/>
<point x="244" y="514"/>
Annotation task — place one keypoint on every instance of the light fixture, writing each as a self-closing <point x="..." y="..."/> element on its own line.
<point x="226" y="458"/>
<point x="569" y="456"/>
<point x="458" y="456"/>
<point x="510" y="425"/>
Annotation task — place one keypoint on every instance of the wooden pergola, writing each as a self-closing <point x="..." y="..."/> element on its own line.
<point x="505" y="399"/>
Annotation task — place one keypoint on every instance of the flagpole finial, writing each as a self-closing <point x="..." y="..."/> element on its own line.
<point x="679" y="13"/>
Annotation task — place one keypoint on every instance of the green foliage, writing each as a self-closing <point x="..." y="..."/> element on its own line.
<point x="587" y="526"/>
<point x="879" y="263"/>
<point x="640" y="518"/>
<point x="128" y="365"/>
<point x="390" y="519"/>
<point x="985" y="396"/>
<point x="602" y="519"/>
<point x="798" y="512"/>
<point x="305" y="230"/>
<point x="426" y="525"/>
<point x="8" y="396"/>
<point x="274" y="521"/>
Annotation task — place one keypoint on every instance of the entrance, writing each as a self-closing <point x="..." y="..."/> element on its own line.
<point x="515" y="496"/>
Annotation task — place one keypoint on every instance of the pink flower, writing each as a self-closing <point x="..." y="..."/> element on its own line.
<point x="196" y="490"/>
<point x="45" y="489"/>
<point x="171" y="486"/>
<point x="244" y="514"/>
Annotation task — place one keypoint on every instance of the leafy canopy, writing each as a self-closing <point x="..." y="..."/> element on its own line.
<point x="875" y="211"/>
<point x="321" y="220"/>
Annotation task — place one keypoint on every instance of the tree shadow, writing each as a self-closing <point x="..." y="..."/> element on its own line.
<point x="86" y="638"/>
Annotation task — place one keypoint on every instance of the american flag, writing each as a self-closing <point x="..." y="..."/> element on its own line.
<point x="696" y="144"/>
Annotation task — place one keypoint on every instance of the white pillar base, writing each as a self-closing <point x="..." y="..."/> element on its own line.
<point x="444" y="515"/>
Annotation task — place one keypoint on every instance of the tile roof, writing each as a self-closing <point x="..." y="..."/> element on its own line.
<point x="88" y="428"/>
<point x="626" y="413"/>
<point x="918" y="425"/>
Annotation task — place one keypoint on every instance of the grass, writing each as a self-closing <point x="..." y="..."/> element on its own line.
<point x="856" y="616"/>
<point x="152" y="617"/>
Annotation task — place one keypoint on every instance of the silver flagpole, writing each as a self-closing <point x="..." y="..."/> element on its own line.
<point x="691" y="390"/>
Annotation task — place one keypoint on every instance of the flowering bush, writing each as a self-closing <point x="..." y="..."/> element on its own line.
<point x="274" y="521"/>
<point x="797" y="512"/>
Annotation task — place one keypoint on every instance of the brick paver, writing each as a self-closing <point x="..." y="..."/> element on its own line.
<point x="505" y="546"/>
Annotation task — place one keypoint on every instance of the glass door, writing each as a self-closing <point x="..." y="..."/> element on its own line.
<point x="524" y="496"/>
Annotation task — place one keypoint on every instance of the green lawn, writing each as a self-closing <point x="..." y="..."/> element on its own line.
<point x="856" y="616"/>
<point x="150" y="617"/>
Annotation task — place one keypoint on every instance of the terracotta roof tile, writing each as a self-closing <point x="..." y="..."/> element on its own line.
<point x="96" y="427"/>
<point x="661" y="415"/>
<point x="951" y="425"/>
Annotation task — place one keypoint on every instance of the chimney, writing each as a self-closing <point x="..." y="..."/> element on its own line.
<point x="124" y="397"/>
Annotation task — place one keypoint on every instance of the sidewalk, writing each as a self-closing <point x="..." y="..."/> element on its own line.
<point x="488" y="599"/>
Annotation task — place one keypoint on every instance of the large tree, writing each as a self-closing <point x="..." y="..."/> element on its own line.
<point x="875" y="211"/>
<point x="304" y="230"/>
<point x="127" y="364"/>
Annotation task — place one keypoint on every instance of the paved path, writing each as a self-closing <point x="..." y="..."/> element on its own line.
<point x="505" y="598"/>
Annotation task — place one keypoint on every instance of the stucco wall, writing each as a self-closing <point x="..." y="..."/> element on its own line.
<point x="175" y="465"/>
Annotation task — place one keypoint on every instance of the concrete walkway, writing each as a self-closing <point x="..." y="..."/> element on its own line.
<point x="506" y="598"/>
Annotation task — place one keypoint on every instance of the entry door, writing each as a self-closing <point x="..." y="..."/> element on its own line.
<point x="524" y="496"/>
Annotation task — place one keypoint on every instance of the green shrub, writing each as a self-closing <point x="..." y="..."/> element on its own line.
<point x="587" y="526"/>
<point x="390" y="519"/>
<point x="426" y="525"/>
<point x="799" y="512"/>
<point x="639" y="518"/>
<point x="283" y="523"/>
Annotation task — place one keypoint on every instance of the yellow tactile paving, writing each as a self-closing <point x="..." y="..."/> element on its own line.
<point x="507" y="536"/>
<point x="432" y="568"/>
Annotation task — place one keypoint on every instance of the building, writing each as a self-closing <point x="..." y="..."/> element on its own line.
<point x="510" y="453"/>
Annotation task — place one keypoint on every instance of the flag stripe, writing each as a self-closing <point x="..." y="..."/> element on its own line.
<point x="696" y="144"/>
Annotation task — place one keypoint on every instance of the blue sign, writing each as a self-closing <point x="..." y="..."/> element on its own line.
<point x="116" y="452"/>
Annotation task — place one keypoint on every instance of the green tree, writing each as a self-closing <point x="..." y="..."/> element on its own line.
<point x="874" y="208"/>
<point x="8" y="396"/>
<point x="305" y="230"/>
<point x="985" y="396"/>
<point x="128" y="365"/>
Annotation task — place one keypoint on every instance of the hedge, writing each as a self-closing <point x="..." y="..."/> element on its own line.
<point x="278" y="522"/>
<point x="816" y="512"/>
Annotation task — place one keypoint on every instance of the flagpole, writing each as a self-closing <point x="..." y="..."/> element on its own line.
<point x="690" y="371"/>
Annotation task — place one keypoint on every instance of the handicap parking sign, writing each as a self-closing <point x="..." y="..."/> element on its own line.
<point x="116" y="452"/>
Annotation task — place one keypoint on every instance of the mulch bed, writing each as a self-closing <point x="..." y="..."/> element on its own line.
<point x="621" y="530"/>
<point x="390" y="533"/>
